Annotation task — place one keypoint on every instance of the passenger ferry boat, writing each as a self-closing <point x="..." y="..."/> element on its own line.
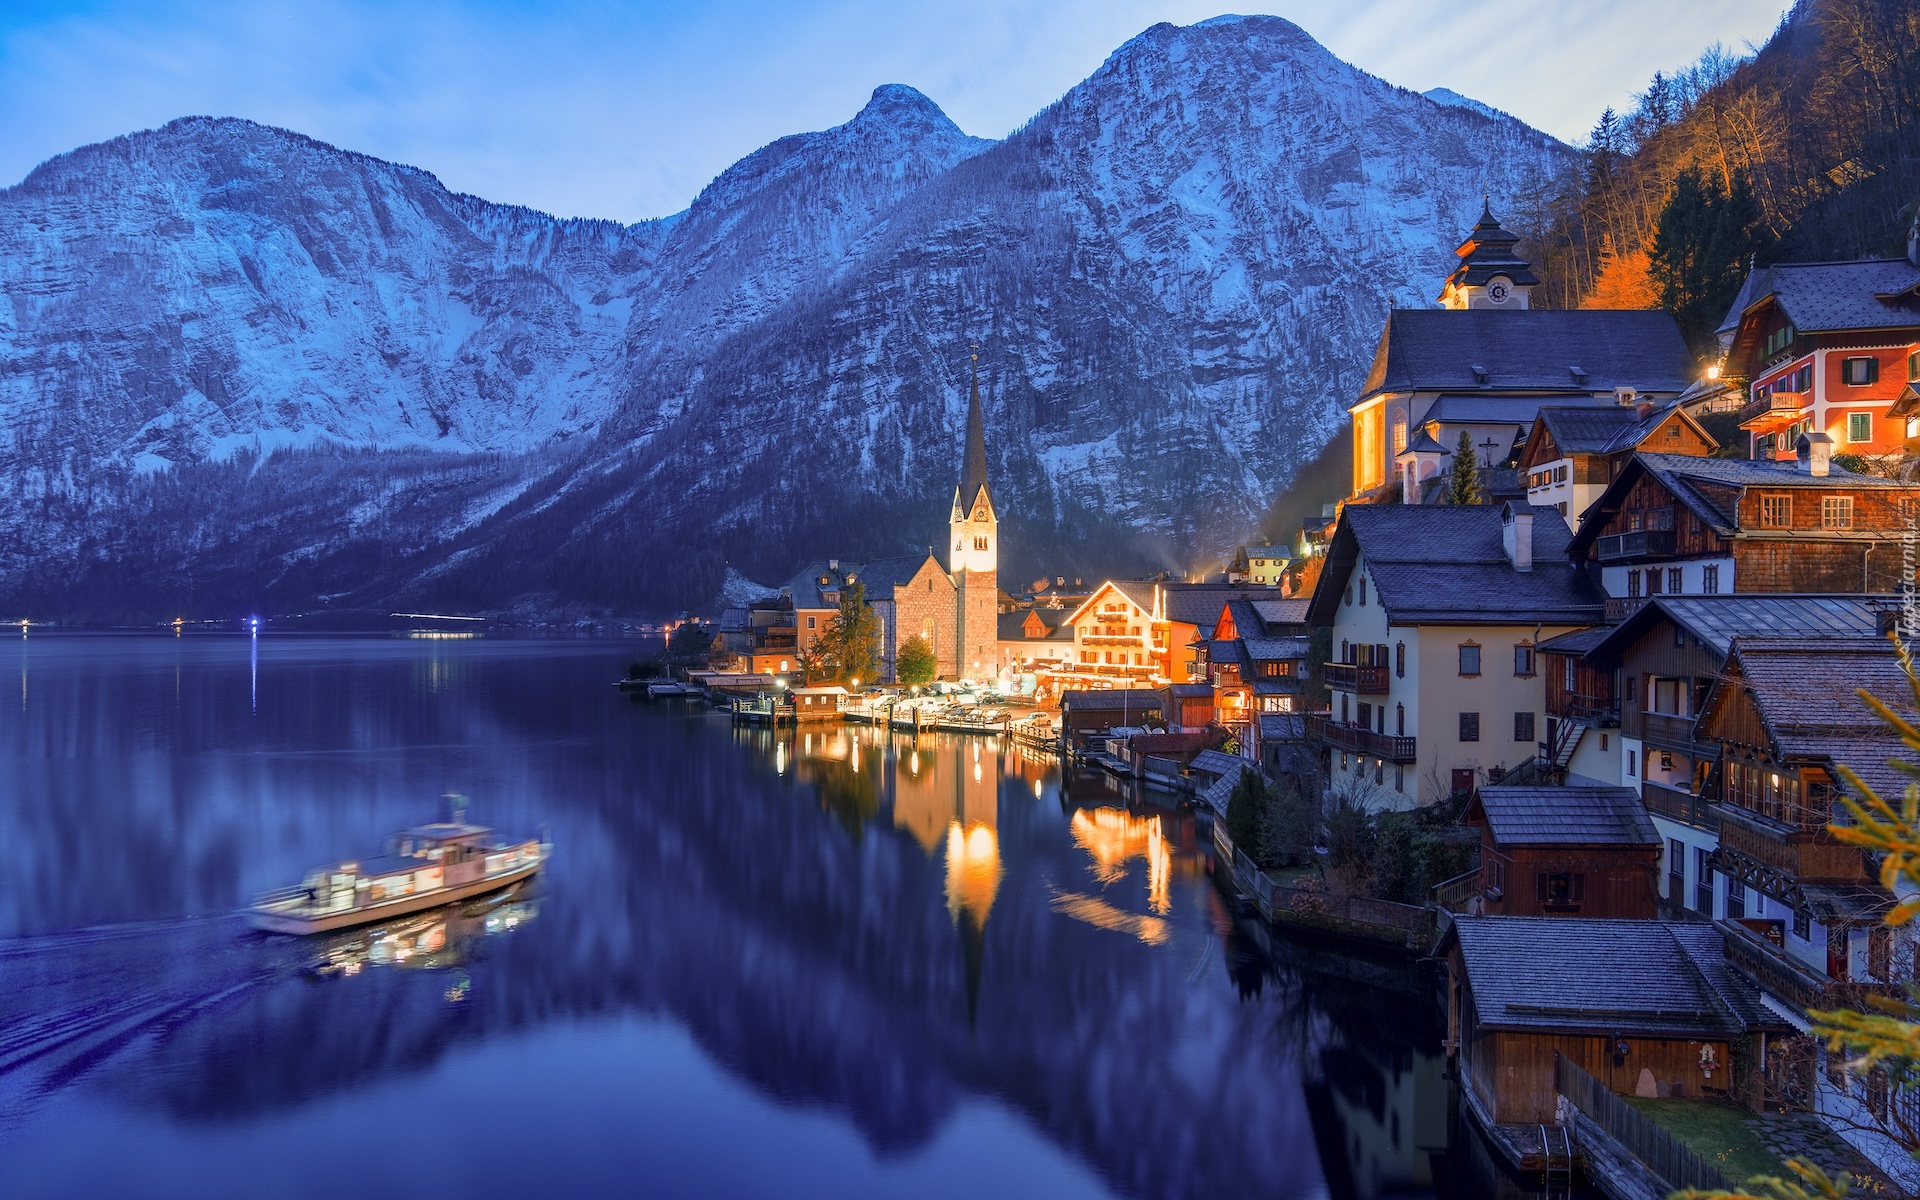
<point x="425" y="867"/>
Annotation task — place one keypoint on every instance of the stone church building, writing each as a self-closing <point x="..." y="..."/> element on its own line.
<point x="955" y="608"/>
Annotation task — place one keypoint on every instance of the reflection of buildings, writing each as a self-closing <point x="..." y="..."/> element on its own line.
<point x="1114" y="837"/>
<point x="442" y="937"/>
<point x="949" y="796"/>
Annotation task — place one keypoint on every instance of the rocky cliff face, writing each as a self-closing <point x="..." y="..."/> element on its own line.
<point x="237" y="365"/>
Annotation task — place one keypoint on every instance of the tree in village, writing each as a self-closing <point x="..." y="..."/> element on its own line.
<point x="916" y="664"/>
<point x="1702" y="244"/>
<point x="1463" y="486"/>
<point x="1886" y="1039"/>
<point x="857" y="634"/>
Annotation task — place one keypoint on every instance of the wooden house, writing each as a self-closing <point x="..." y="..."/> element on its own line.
<point x="1565" y="851"/>
<point x="818" y="703"/>
<point x="1784" y="717"/>
<point x="1087" y="713"/>
<point x="1572" y="454"/>
<point x="1648" y="1008"/>
<point x="1679" y="525"/>
<point x="1665" y="658"/>
<point x="1190" y="705"/>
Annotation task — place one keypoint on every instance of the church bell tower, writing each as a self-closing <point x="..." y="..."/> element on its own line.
<point x="1490" y="273"/>
<point x="974" y="535"/>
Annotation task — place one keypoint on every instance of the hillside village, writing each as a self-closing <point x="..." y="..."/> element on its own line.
<point x="1593" y="614"/>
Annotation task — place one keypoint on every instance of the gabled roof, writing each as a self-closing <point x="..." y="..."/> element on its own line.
<point x="1693" y="480"/>
<point x="1261" y="649"/>
<point x="1140" y="700"/>
<point x="1292" y="611"/>
<point x="1447" y="565"/>
<point x="1804" y="692"/>
<point x="1564" y="816"/>
<point x="806" y="587"/>
<point x="1199" y="604"/>
<point x="1609" y="429"/>
<point x="1537" y="350"/>
<point x="1831" y="296"/>
<point x="1717" y="620"/>
<point x="1606" y="977"/>
<point x="1139" y="591"/>
<point x="883" y="575"/>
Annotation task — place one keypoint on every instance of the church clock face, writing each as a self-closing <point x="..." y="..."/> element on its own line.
<point x="1498" y="289"/>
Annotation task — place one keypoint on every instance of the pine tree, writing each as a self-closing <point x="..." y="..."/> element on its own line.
<point x="856" y="631"/>
<point x="1464" y="485"/>
<point x="1701" y="247"/>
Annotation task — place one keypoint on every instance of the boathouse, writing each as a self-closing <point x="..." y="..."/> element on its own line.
<point x="1565" y="851"/>
<point x="1648" y="1008"/>
<point x="818" y="703"/>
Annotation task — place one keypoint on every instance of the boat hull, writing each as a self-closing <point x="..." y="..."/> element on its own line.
<point x="298" y="924"/>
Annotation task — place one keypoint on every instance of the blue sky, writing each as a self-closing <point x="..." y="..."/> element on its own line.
<point x="626" y="110"/>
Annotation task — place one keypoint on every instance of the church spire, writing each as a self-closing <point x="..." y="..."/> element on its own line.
<point x="973" y="472"/>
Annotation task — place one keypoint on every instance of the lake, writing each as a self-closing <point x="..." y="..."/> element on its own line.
<point x="829" y="962"/>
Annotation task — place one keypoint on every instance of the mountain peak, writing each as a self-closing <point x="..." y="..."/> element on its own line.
<point x="896" y="102"/>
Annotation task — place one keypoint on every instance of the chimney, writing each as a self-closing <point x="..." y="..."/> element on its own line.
<point x="1815" y="452"/>
<point x="833" y="564"/>
<point x="1625" y="396"/>
<point x="1516" y="535"/>
<point x="1643" y="410"/>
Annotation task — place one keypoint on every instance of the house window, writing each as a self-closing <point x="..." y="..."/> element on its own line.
<point x="1710" y="579"/>
<point x="1803" y="925"/>
<point x="1913" y="367"/>
<point x="1523" y="727"/>
<point x="1776" y="511"/>
<point x="1560" y="889"/>
<point x="1363" y="591"/>
<point x="1653" y="581"/>
<point x="1567" y="674"/>
<point x="1836" y="512"/>
<point x="1400" y="720"/>
<point x="813" y="622"/>
<point x="1603" y="743"/>
<point x="1400" y="777"/>
<point x="1470" y="727"/>
<point x="1859" y="427"/>
<point x="1702" y="881"/>
<point x="979" y="543"/>
<point x="1343" y="709"/>
<point x="1523" y="659"/>
<point x="1469" y="659"/>
<point x="1633" y="585"/>
<point x="1400" y="434"/>
<point x="1366" y="715"/>
<point x="1676" y="870"/>
<point x="1400" y="659"/>
<point x="1632" y="765"/>
<point x="1736" y="900"/>
<point x="1349" y="599"/>
<point x="1859" y="372"/>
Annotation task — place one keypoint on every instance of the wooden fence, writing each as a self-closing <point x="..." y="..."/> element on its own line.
<point x="1663" y="1154"/>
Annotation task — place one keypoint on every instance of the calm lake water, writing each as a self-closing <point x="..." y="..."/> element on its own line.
<point x="833" y="963"/>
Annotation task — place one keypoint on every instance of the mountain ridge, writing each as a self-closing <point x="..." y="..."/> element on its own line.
<point x="1174" y="273"/>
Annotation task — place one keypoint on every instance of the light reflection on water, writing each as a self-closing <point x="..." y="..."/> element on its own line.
<point x="833" y="960"/>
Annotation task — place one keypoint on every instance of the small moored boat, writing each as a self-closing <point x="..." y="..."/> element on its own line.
<point x="424" y="867"/>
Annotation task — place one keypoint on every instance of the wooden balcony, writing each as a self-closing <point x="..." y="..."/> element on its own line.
<point x="1800" y="849"/>
<point x="1678" y="805"/>
<point x="1670" y="732"/>
<point x="1619" y="608"/>
<point x="1641" y="543"/>
<point x="1349" y="677"/>
<point x="1775" y="410"/>
<point x="1596" y="710"/>
<point x="1356" y="740"/>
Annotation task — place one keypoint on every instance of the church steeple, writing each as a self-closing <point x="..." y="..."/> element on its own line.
<point x="973" y="471"/>
<point x="1490" y="274"/>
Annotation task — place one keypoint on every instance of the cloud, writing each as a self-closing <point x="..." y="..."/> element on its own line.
<point x="627" y="110"/>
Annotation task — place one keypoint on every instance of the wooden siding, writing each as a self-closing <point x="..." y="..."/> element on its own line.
<point x="1648" y="496"/>
<point x="1765" y="565"/>
<point x="1615" y="881"/>
<point x="1656" y="655"/>
<point x="1591" y="685"/>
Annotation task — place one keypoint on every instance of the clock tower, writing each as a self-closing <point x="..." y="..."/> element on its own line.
<point x="973" y="560"/>
<point x="1490" y="275"/>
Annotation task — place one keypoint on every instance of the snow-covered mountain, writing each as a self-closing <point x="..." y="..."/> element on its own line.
<point x="238" y="365"/>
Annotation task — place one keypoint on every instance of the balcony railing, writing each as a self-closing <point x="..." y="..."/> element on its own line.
<point x="1349" y="677"/>
<point x="1775" y="407"/>
<point x="1641" y="543"/>
<point x="1678" y="805"/>
<point x="1619" y="608"/>
<point x="1356" y="740"/>
<point x="1599" y="710"/>
<point x="1669" y="731"/>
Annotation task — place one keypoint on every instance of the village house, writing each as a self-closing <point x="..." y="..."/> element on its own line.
<point x="1035" y="638"/>
<point x="1486" y="363"/>
<point x="758" y="639"/>
<point x="1436" y="615"/>
<point x="1262" y="564"/>
<point x="1785" y="718"/>
<point x="1623" y="710"/>
<point x="1677" y="524"/>
<point x="1647" y="1008"/>
<point x="1088" y="714"/>
<point x="1256" y="661"/>
<point x="1826" y="348"/>
<point x="1572" y="454"/>
<point x="1564" y="851"/>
